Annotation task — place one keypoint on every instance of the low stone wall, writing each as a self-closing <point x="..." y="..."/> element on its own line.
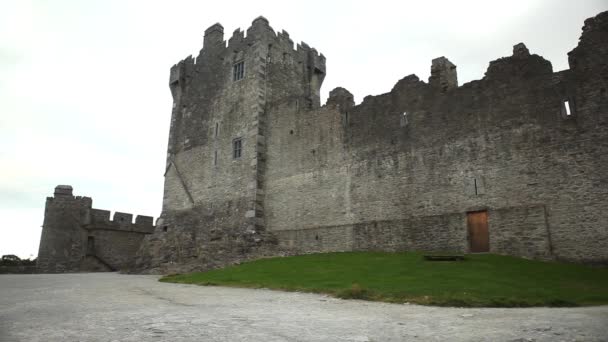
<point x="520" y="231"/>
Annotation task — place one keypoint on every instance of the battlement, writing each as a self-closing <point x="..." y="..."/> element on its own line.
<point x="260" y="30"/>
<point x="100" y="219"/>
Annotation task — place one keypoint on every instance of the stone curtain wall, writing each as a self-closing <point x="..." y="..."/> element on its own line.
<point x="503" y="144"/>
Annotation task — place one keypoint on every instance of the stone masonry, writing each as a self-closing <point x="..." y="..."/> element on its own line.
<point x="76" y="237"/>
<point x="257" y="166"/>
<point x="400" y="171"/>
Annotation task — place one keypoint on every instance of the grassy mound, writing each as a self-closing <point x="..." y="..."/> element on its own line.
<point x="479" y="281"/>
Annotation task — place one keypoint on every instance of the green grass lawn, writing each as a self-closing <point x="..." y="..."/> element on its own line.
<point x="480" y="280"/>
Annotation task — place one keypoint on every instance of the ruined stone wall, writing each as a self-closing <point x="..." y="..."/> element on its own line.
<point x="503" y="144"/>
<point x="76" y="238"/>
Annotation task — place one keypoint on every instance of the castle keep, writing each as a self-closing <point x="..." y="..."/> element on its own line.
<point x="514" y="163"/>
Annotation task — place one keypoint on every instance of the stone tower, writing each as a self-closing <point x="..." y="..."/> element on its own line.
<point x="77" y="237"/>
<point x="216" y="156"/>
<point x="63" y="241"/>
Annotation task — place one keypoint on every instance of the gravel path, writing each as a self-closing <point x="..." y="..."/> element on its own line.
<point x="115" y="307"/>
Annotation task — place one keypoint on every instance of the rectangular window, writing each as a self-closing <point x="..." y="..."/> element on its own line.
<point x="217" y="127"/>
<point x="214" y="157"/>
<point x="237" y="148"/>
<point x="238" y="71"/>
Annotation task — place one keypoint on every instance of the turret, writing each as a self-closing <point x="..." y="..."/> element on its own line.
<point x="260" y="29"/>
<point x="61" y="242"/>
<point x="63" y="190"/>
<point x="214" y="36"/>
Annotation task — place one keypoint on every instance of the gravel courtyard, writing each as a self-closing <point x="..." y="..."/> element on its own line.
<point x="115" y="307"/>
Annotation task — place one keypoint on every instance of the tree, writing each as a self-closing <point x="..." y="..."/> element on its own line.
<point x="10" y="260"/>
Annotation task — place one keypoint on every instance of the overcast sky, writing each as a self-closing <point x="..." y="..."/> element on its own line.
<point x="84" y="96"/>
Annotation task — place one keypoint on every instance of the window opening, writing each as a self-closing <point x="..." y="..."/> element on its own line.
<point x="404" y="119"/>
<point x="237" y="148"/>
<point x="214" y="157"/>
<point x="475" y="183"/>
<point x="217" y="127"/>
<point x="238" y="71"/>
<point x="567" y="107"/>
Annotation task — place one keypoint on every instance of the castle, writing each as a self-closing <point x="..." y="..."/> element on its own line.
<point x="514" y="163"/>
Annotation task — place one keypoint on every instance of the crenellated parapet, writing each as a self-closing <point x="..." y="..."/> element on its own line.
<point x="100" y="219"/>
<point x="280" y="44"/>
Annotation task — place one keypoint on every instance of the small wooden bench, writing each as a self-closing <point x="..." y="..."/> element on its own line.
<point x="438" y="257"/>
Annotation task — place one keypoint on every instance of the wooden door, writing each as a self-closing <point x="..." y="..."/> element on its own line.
<point x="479" y="238"/>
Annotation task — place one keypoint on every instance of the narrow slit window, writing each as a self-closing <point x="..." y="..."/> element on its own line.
<point x="90" y="245"/>
<point x="217" y="127"/>
<point x="214" y="157"/>
<point x="567" y="108"/>
<point x="404" y="119"/>
<point x="237" y="148"/>
<point x="238" y="71"/>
